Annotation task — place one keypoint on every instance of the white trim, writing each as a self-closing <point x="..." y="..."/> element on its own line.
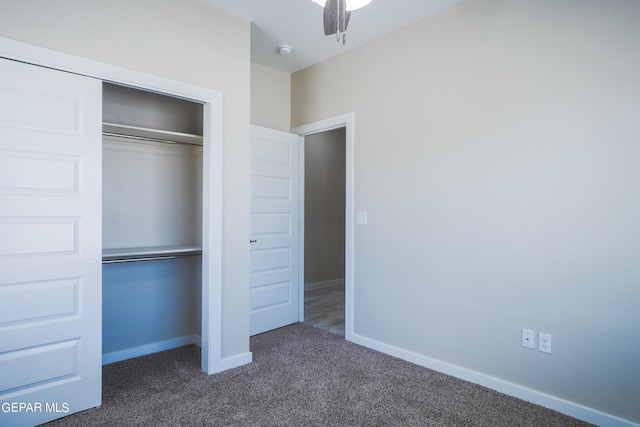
<point x="36" y="55"/>
<point x="154" y="347"/>
<point x="323" y="284"/>
<point x="211" y="322"/>
<point x="235" y="361"/>
<point x="301" y="219"/>
<point x="212" y="169"/>
<point x="348" y="122"/>
<point x="563" y="406"/>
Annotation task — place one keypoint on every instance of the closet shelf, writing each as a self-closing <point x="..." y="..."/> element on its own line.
<point x="119" y="255"/>
<point x="146" y="134"/>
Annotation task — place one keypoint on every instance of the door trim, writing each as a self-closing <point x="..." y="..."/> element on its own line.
<point x="343" y="121"/>
<point x="211" y="339"/>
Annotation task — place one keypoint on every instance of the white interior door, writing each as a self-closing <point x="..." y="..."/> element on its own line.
<point x="274" y="229"/>
<point x="50" y="243"/>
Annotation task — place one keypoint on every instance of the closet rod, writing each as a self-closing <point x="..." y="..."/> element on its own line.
<point x="155" y="258"/>
<point x="149" y="139"/>
<point x="119" y="255"/>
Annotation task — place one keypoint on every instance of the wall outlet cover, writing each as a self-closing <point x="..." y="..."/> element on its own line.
<point x="528" y="339"/>
<point x="544" y="343"/>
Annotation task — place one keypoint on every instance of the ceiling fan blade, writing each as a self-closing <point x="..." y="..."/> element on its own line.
<point x="336" y="17"/>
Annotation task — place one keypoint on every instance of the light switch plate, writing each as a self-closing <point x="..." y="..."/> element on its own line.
<point x="361" y="218"/>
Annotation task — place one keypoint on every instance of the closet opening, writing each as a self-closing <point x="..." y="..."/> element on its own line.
<point x="151" y="222"/>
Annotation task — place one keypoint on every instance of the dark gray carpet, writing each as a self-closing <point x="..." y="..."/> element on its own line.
<point x="300" y="376"/>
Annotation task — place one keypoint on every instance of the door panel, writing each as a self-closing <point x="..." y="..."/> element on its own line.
<point x="50" y="243"/>
<point x="274" y="229"/>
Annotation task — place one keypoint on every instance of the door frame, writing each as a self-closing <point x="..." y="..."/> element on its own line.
<point x="342" y="121"/>
<point x="211" y="333"/>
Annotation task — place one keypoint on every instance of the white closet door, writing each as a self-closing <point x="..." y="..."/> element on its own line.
<point x="50" y="244"/>
<point x="274" y="229"/>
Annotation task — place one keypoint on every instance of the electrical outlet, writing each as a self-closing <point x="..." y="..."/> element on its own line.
<point x="528" y="340"/>
<point x="544" y="342"/>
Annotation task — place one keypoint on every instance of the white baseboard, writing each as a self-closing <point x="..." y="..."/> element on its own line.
<point x="235" y="361"/>
<point x="143" y="350"/>
<point x="557" y="404"/>
<point x="324" y="284"/>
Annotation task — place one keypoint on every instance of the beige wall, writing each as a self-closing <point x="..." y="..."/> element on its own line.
<point x="324" y="206"/>
<point x="185" y="40"/>
<point x="496" y="152"/>
<point x="270" y="98"/>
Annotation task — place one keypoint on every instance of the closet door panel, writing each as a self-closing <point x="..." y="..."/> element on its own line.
<point x="50" y="243"/>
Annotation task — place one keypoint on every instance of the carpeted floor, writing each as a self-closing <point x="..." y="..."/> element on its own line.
<point x="300" y="376"/>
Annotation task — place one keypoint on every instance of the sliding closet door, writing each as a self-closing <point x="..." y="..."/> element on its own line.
<point x="50" y="243"/>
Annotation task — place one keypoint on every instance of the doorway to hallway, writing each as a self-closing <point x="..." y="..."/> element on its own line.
<point x="324" y="229"/>
<point x="346" y="123"/>
<point x="324" y="308"/>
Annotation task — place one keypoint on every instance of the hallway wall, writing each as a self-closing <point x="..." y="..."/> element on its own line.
<point x="324" y="214"/>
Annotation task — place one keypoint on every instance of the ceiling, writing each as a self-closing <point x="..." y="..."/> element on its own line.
<point x="299" y="23"/>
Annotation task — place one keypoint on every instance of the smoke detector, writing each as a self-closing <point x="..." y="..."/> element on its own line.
<point x="285" y="49"/>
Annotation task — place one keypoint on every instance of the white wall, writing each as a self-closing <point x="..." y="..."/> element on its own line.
<point x="324" y="206"/>
<point x="496" y="152"/>
<point x="186" y="40"/>
<point x="270" y="98"/>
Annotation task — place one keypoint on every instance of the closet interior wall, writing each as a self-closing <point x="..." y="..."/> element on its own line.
<point x="152" y="224"/>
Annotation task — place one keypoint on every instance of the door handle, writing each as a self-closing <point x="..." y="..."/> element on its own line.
<point x="252" y="241"/>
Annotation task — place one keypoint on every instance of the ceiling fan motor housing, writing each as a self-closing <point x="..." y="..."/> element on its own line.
<point x="336" y="17"/>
